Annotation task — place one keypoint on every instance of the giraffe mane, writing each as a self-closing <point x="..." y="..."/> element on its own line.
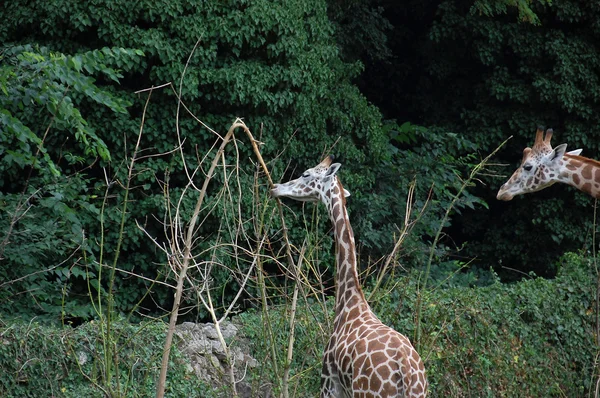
<point x="341" y="188"/>
<point x="583" y="159"/>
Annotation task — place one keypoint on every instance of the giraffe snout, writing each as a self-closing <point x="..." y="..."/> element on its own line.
<point x="504" y="194"/>
<point x="275" y="191"/>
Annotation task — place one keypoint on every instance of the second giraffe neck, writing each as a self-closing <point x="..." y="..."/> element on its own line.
<point x="349" y="294"/>
<point x="582" y="173"/>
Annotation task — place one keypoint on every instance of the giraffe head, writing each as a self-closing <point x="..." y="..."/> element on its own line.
<point x="313" y="184"/>
<point x="539" y="167"/>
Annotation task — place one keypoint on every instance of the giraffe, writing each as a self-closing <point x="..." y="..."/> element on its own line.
<point x="364" y="357"/>
<point x="543" y="166"/>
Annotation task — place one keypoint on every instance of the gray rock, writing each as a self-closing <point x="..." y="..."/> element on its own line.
<point x="200" y="344"/>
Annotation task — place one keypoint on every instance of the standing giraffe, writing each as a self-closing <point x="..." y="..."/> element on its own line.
<point x="543" y="166"/>
<point x="364" y="357"/>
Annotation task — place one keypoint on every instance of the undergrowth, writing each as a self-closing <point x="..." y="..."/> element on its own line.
<point x="39" y="360"/>
<point x="534" y="338"/>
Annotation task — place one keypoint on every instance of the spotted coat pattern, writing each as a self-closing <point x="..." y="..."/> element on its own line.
<point x="542" y="166"/>
<point x="364" y="358"/>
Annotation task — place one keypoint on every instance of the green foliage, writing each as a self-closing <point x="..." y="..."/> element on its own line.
<point x="311" y="335"/>
<point x="41" y="360"/>
<point x="276" y="65"/>
<point x="42" y="89"/>
<point x="531" y="338"/>
<point x="361" y="29"/>
<point x="47" y="203"/>
<point x="523" y="76"/>
<point x="494" y="7"/>
<point x="436" y="162"/>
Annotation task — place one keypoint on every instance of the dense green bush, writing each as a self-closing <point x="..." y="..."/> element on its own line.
<point x="47" y="202"/>
<point x="533" y="338"/>
<point x="277" y="66"/>
<point x="39" y="360"/>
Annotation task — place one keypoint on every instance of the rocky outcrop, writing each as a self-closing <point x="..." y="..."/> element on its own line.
<point x="200" y="344"/>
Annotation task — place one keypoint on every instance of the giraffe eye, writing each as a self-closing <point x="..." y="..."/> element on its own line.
<point x="527" y="167"/>
<point x="305" y="175"/>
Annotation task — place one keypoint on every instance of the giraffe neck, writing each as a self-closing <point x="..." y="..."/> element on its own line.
<point x="582" y="173"/>
<point x="349" y="298"/>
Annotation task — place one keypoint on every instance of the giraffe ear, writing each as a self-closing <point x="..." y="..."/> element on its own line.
<point x="574" y="152"/>
<point x="558" y="152"/>
<point x="346" y="193"/>
<point x="333" y="169"/>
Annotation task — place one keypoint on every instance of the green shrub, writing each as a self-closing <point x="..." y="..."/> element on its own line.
<point x="275" y="65"/>
<point x="46" y="200"/>
<point x="39" y="360"/>
<point x="311" y="336"/>
<point x="533" y="338"/>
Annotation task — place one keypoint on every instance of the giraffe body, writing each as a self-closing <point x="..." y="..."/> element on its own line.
<point x="364" y="357"/>
<point x="543" y="166"/>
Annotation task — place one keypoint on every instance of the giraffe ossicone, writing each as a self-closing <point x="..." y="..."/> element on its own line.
<point x="364" y="357"/>
<point x="543" y="166"/>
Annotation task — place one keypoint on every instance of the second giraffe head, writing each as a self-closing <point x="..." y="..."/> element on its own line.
<point x="540" y="167"/>
<point x="314" y="185"/>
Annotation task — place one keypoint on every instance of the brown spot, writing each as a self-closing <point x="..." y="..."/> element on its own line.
<point x="353" y="313"/>
<point x="587" y="187"/>
<point x="359" y="361"/>
<point x="529" y="181"/>
<point x="342" y="251"/>
<point x="388" y="387"/>
<point x="339" y="224"/>
<point x="336" y="190"/>
<point x="384" y="372"/>
<point x="375" y="383"/>
<point x="587" y="172"/>
<point x="571" y="166"/>
<point x="351" y="303"/>
<point x="348" y="295"/>
<point x="378" y="357"/>
<point x="576" y="179"/>
<point x="372" y="346"/>
<point x="576" y="163"/>
<point x="413" y="364"/>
